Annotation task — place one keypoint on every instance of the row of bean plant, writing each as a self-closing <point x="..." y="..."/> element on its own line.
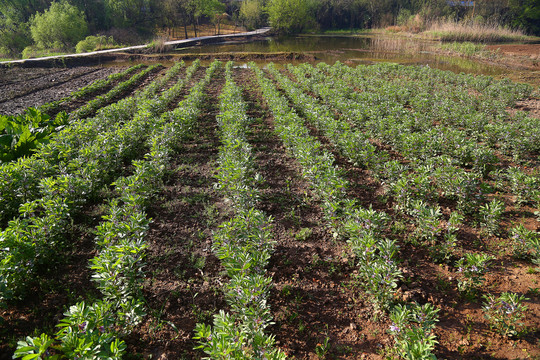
<point x="93" y="331"/>
<point x="91" y="106"/>
<point x="243" y="244"/>
<point x="32" y="241"/>
<point x="435" y="173"/>
<point x="481" y="114"/>
<point x="362" y="228"/>
<point x="511" y="135"/>
<point x="355" y="146"/>
<point x="19" y="180"/>
<point x="480" y="111"/>
<point x="472" y="267"/>
<point x="89" y="89"/>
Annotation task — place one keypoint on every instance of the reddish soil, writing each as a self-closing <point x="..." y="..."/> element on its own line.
<point x="528" y="50"/>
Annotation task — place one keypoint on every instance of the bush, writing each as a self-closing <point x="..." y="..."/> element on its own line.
<point x="62" y="25"/>
<point x="93" y="43"/>
<point x="15" y="37"/>
<point x="35" y="52"/>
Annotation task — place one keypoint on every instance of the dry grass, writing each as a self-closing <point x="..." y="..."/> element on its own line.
<point x="460" y="31"/>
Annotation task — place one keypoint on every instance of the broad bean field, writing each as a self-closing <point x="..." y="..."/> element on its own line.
<point x="307" y="211"/>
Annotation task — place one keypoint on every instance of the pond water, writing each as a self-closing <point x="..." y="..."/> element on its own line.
<point x="353" y="50"/>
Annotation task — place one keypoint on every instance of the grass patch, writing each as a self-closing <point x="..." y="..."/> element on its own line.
<point x="466" y="48"/>
<point x="33" y="52"/>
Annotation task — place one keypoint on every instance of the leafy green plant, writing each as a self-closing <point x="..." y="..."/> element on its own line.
<point x="526" y="187"/>
<point x="94" y="43"/>
<point x="88" y="89"/>
<point x="378" y="270"/>
<point x="85" y="332"/>
<point x="227" y="339"/>
<point x="505" y="312"/>
<point x="412" y="328"/>
<point x="491" y="216"/>
<point x="322" y="348"/>
<point x="21" y="135"/>
<point x="428" y="223"/>
<point x="525" y="243"/>
<point x="443" y="251"/>
<point x="472" y="269"/>
<point x="303" y="234"/>
<point x="35" y="348"/>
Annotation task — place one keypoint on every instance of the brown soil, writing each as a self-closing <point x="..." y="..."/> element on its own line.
<point x="531" y="51"/>
<point x="44" y="85"/>
<point x="184" y="277"/>
<point x="532" y="106"/>
<point x="61" y="285"/>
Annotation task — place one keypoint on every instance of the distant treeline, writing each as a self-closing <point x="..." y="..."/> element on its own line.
<point x="45" y="24"/>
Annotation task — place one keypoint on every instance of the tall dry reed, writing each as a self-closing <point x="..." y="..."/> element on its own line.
<point x="463" y="31"/>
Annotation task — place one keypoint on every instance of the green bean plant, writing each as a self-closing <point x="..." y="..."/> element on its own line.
<point x="525" y="243"/>
<point x="428" y="222"/>
<point x="88" y="89"/>
<point x="412" y="328"/>
<point x="505" y="312"/>
<point x="94" y="104"/>
<point x="243" y="244"/>
<point x="526" y="187"/>
<point x="491" y="216"/>
<point x="443" y="251"/>
<point x="472" y="269"/>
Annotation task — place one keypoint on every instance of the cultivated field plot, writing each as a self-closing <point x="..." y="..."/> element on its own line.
<point x="308" y="212"/>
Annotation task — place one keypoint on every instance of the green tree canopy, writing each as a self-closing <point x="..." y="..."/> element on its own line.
<point x="62" y="25"/>
<point x="526" y="15"/>
<point x="126" y="13"/>
<point x="290" y="16"/>
<point x="252" y="13"/>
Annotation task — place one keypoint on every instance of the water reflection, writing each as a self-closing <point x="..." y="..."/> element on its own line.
<point x="353" y="50"/>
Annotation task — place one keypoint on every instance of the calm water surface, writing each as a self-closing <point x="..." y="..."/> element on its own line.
<point x="353" y="50"/>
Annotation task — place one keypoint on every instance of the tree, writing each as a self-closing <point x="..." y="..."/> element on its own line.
<point x="290" y="16"/>
<point x="62" y="25"/>
<point x="526" y="15"/>
<point x="14" y="28"/>
<point x="14" y="37"/>
<point x="208" y="8"/>
<point x="126" y="13"/>
<point x="251" y="13"/>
